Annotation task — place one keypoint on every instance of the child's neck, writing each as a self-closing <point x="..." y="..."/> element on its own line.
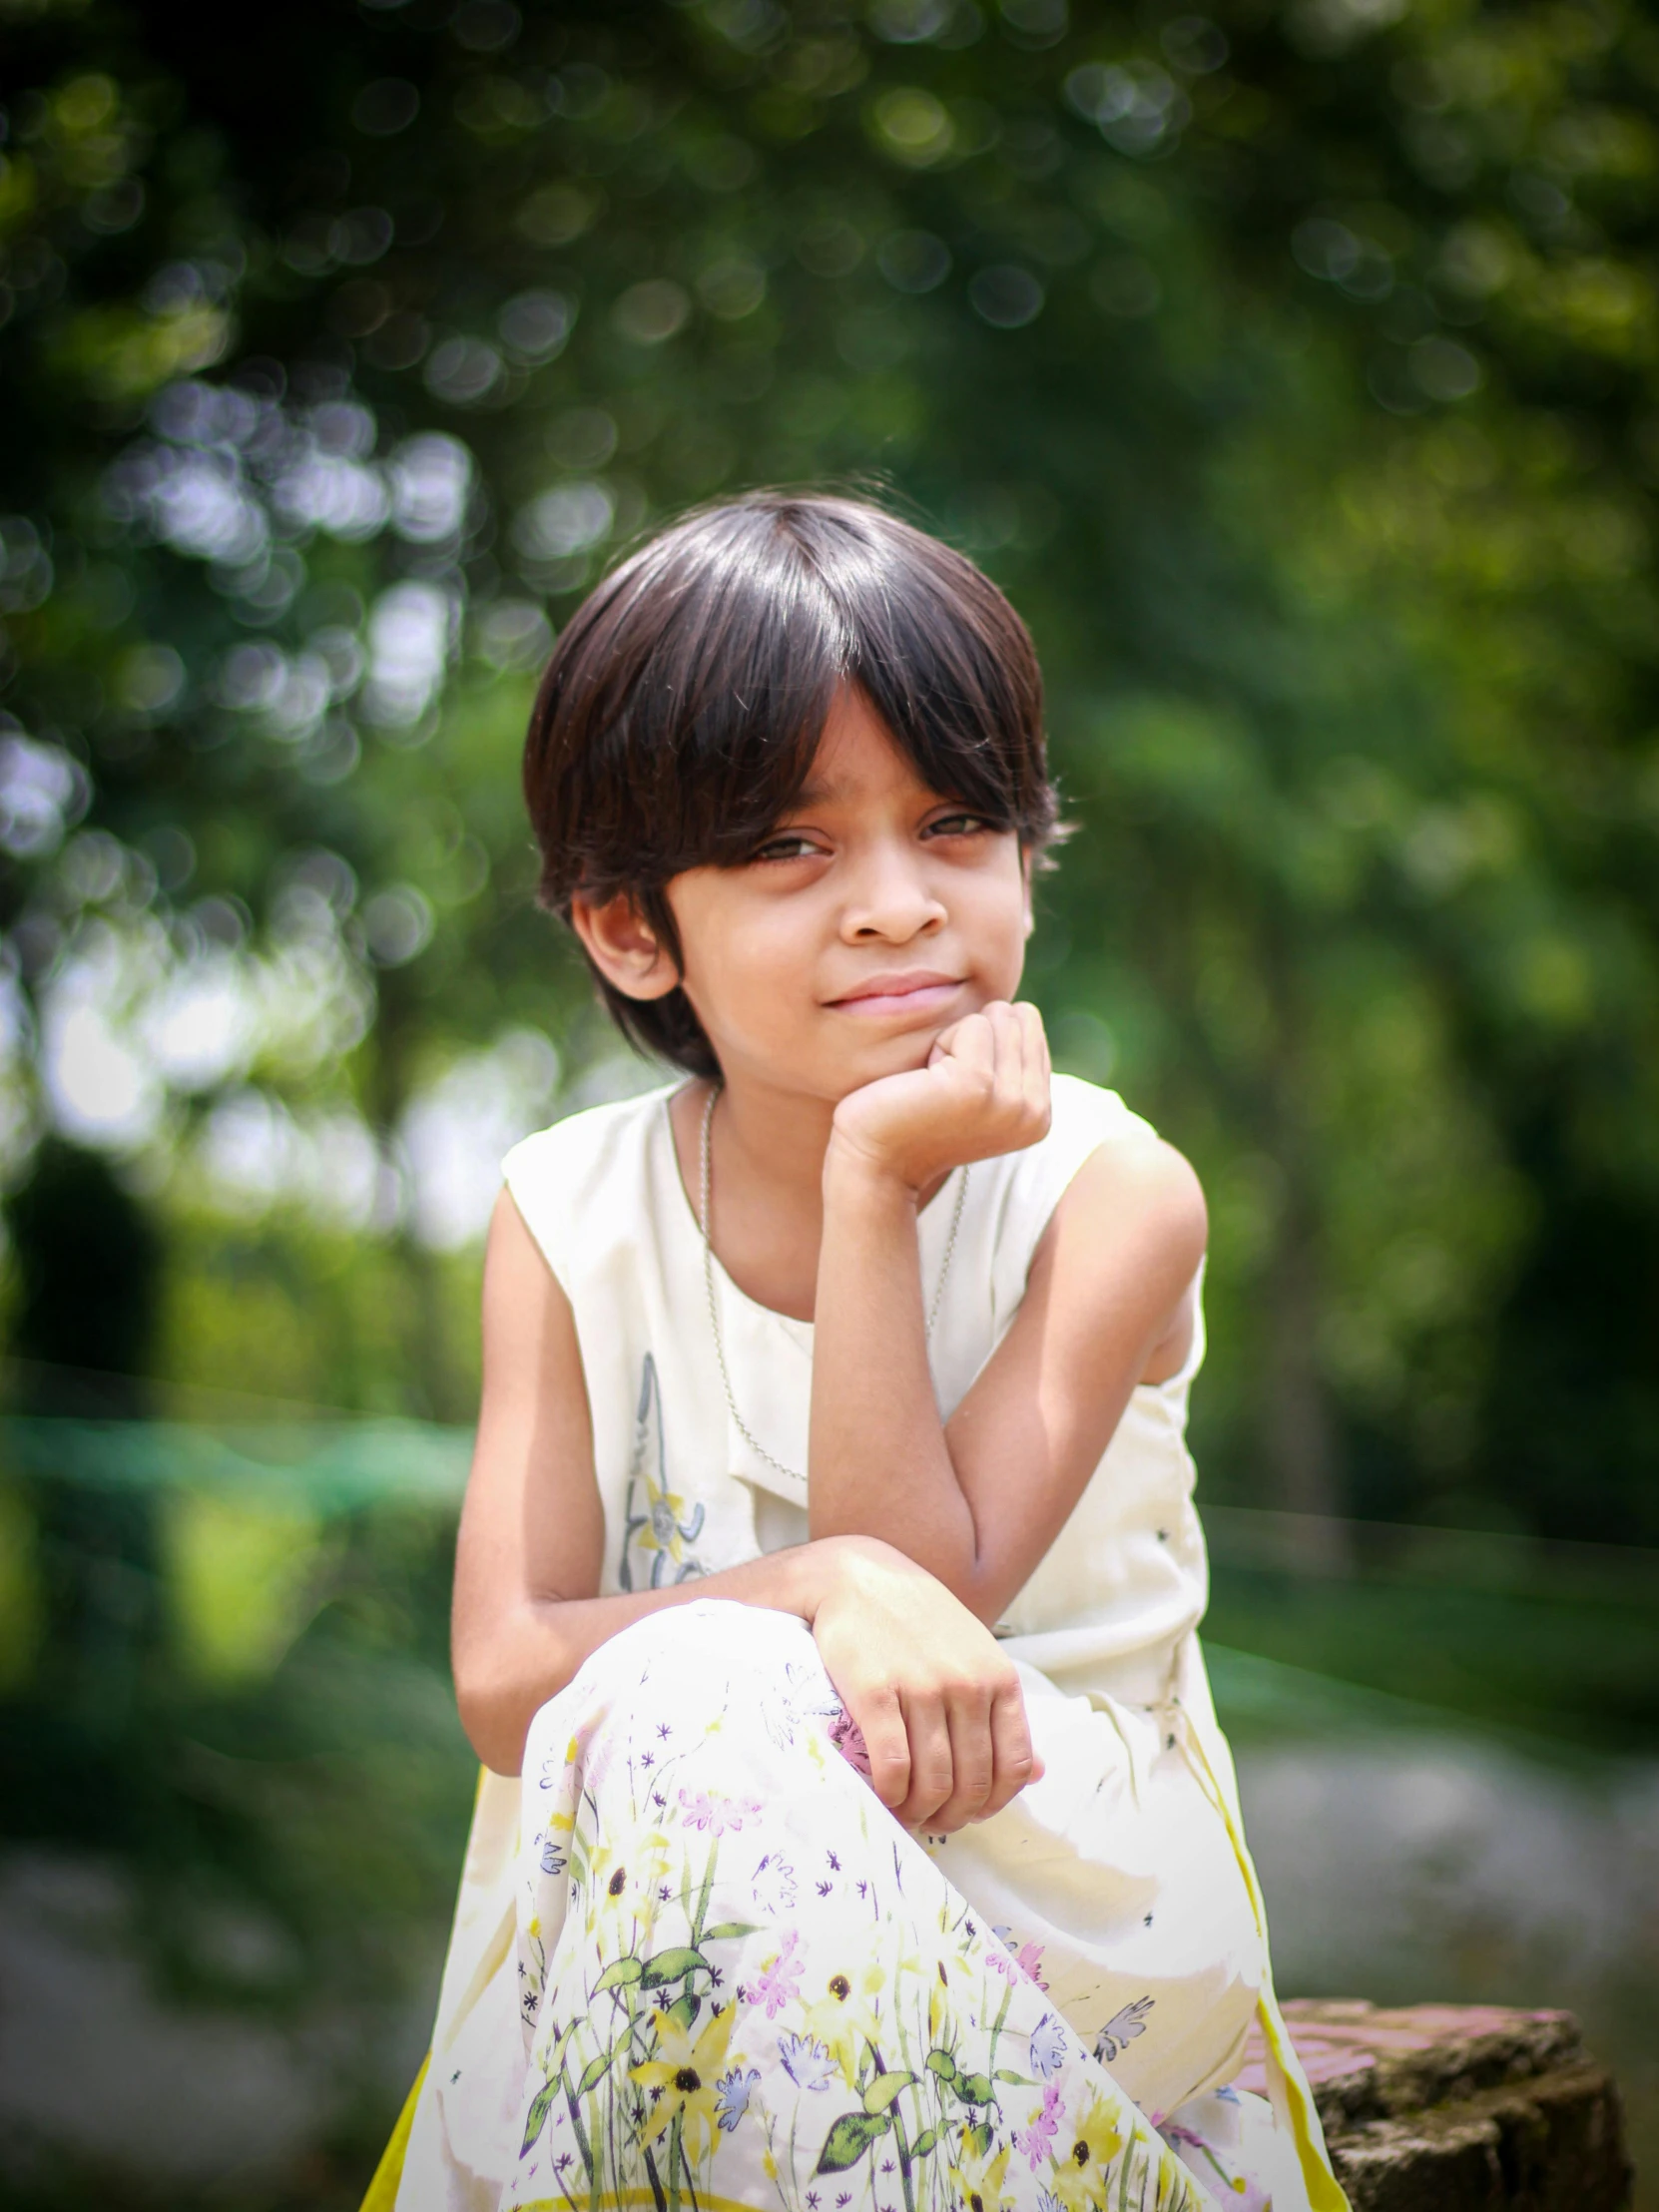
<point x="767" y="1149"/>
<point x="767" y="1155"/>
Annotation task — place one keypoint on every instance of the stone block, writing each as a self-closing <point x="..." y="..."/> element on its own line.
<point x="1459" y="2108"/>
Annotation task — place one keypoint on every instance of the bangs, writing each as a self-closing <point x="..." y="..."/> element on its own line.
<point x="679" y="714"/>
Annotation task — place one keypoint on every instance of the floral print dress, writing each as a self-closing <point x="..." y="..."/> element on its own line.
<point x="742" y="1982"/>
<point x="696" y="1962"/>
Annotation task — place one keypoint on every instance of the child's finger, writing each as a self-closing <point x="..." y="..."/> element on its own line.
<point x="972" y="1761"/>
<point x="1008" y="1046"/>
<point x="972" y="1043"/>
<point x="1016" y="1759"/>
<point x="930" y="1761"/>
<point x="889" y="1744"/>
<point x="1038" y="1069"/>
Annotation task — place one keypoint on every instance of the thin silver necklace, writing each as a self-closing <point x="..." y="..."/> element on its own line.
<point x="706" y="1180"/>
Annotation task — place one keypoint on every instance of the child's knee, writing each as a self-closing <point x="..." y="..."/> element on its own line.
<point x="711" y="1648"/>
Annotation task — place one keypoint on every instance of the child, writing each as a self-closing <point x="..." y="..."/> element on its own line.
<point x="876" y="1842"/>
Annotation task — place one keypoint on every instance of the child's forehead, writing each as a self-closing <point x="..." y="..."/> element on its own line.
<point x="858" y="758"/>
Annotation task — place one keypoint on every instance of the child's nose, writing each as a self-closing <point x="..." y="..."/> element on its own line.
<point x="891" y="898"/>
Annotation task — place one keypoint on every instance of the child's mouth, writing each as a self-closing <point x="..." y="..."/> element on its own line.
<point x="909" y="992"/>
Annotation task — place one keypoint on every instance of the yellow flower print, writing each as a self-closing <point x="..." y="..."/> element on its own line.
<point x="687" y="2075"/>
<point x="665" y="1529"/>
<point x="843" y="2020"/>
<point x="656" y="1521"/>
<point x="978" y="2178"/>
<point x="1083" y="2162"/>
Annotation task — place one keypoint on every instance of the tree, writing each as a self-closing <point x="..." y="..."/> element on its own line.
<point x="1294" y="369"/>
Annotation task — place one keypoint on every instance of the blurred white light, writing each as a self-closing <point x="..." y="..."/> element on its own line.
<point x="250" y="674"/>
<point x="1135" y="105"/>
<point x="91" y="867"/>
<point x="397" y="924"/>
<point x="324" y="491"/>
<point x="193" y="413"/>
<point x="431" y="478"/>
<point x="568" y="519"/>
<point x="256" y="1153"/>
<point x="514" y="634"/>
<point x="301" y="700"/>
<point x="249" y="1150"/>
<point x="26" y="572"/>
<point x="42" y="790"/>
<point x="536" y="324"/>
<point x="101" y="1087"/>
<point x="196" y="503"/>
<point x="202" y="1024"/>
<point x="463" y="371"/>
<point x="410" y="634"/>
<point x="455" y="1132"/>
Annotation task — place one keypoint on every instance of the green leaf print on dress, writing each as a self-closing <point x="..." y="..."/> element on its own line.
<point x="652" y="1523"/>
<point x="746" y="1985"/>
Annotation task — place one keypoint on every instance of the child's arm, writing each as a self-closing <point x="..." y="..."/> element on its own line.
<point x="1108" y="1304"/>
<point x="527" y="1570"/>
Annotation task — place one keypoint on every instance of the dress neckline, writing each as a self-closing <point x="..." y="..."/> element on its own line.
<point x="687" y="1213"/>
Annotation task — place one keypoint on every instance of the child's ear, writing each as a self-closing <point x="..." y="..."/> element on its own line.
<point x="1027" y="860"/>
<point x="624" y="947"/>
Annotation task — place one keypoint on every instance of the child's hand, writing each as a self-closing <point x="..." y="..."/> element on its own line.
<point x="939" y="1705"/>
<point x="983" y="1091"/>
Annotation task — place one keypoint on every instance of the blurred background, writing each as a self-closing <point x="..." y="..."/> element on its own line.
<point x="1295" y="365"/>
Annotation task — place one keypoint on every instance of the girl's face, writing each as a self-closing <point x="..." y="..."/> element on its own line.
<point x="874" y="915"/>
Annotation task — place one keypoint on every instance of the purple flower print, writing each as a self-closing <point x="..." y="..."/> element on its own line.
<point x="773" y="1886"/>
<point x="848" y="1739"/>
<point x="806" y="2062"/>
<point x="1048" y="2046"/>
<point x="1032" y="2142"/>
<point x="1122" y="2029"/>
<point x="732" y="2094"/>
<point x="1029" y="1959"/>
<point x="717" y="1814"/>
<point x="779" y="1981"/>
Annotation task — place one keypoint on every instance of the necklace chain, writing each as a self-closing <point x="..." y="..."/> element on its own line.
<point x="706" y="1180"/>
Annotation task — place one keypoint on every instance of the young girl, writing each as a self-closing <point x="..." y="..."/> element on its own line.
<point x="829" y="1575"/>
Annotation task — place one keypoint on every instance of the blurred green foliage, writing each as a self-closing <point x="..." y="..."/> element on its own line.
<point x="1295" y="368"/>
<point x="1292" y="365"/>
<point x="271" y="1757"/>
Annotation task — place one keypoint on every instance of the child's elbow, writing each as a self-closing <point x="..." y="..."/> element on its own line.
<point x="496" y="1701"/>
<point x="495" y="1732"/>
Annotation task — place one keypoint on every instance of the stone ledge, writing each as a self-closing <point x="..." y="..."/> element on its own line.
<point x="1459" y="2108"/>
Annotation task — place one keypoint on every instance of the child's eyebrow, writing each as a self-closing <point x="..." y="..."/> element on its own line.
<point x="819" y="792"/>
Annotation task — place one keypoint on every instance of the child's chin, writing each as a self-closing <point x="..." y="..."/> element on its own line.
<point x="902" y="1055"/>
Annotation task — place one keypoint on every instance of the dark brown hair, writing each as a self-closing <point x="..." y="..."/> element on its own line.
<point x="680" y="709"/>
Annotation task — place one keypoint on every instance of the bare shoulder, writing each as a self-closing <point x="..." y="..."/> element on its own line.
<point x="1120" y="1257"/>
<point x="1136" y="1188"/>
<point x="510" y="1250"/>
<point x="529" y="1328"/>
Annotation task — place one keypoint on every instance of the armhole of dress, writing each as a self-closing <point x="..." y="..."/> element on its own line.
<point x="513" y="1180"/>
<point x="1079" y="1141"/>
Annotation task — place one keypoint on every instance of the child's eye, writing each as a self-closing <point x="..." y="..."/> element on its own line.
<point x="785" y="847"/>
<point x="958" y="825"/>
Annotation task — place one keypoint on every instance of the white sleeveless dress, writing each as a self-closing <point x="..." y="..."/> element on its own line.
<point x="1108" y="1919"/>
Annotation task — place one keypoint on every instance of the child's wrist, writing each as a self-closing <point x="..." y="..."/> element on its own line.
<point x="828" y="1566"/>
<point x="856" y="1177"/>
